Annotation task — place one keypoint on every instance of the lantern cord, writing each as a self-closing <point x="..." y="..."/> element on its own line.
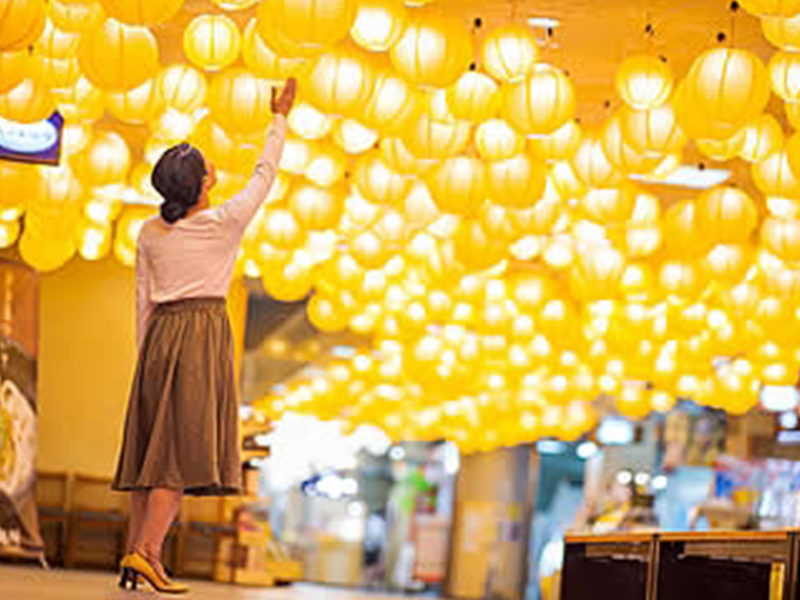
<point x="734" y="8"/>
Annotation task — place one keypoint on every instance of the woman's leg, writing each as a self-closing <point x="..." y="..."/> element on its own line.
<point x="162" y="508"/>
<point x="137" y="519"/>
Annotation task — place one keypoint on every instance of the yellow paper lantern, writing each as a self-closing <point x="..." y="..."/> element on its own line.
<point x="326" y="315"/>
<point x="434" y="50"/>
<point x="262" y="60"/>
<point x="682" y="278"/>
<point x="474" y="249"/>
<point x="510" y="53"/>
<point x="340" y="82"/>
<point x="398" y="157"/>
<point x="517" y="182"/>
<point x="57" y="72"/>
<point x="783" y="32"/>
<point x="353" y="137"/>
<point x="14" y="67"/>
<point x="729" y="263"/>
<point x="107" y="159"/>
<point x="141" y="12"/>
<point x="644" y="82"/>
<point x="540" y="104"/>
<point x="391" y="106"/>
<point x="784" y="73"/>
<point x="137" y="106"/>
<point x="212" y="42"/>
<point x="474" y="97"/>
<point x="497" y="140"/>
<point x="44" y="254"/>
<point x="622" y="156"/>
<point x="430" y="139"/>
<point x="596" y="274"/>
<point x="377" y="182"/>
<point x="722" y="150"/>
<point x="20" y="184"/>
<point x="312" y="22"/>
<point x="181" y="88"/>
<point x="27" y="102"/>
<point x="782" y="238"/>
<point x="592" y="165"/>
<point x="9" y="233"/>
<point x="226" y="152"/>
<point x="560" y="145"/>
<point x="761" y="137"/>
<point x="761" y="8"/>
<point x="774" y="176"/>
<point x="726" y="215"/>
<point x="370" y="250"/>
<point x="725" y="89"/>
<point x="654" y="131"/>
<point x="240" y="102"/>
<point x="379" y="24"/>
<point x="610" y="205"/>
<point x="327" y="165"/>
<point x="75" y="17"/>
<point x="681" y="230"/>
<point x="458" y="185"/>
<point x="309" y="123"/>
<point x="56" y="43"/>
<point x="282" y="230"/>
<point x="315" y="207"/>
<point x="94" y="242"/>
<point x="81" y="103"/>
<point x="643" y="239"/>
<point x="117" y="56"/>
<point x="21" y="23"/>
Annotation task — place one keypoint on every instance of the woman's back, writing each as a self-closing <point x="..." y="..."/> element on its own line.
<point x="194" y="258"/>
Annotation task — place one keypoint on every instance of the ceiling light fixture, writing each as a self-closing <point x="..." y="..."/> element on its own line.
<point x="689" y="177"/>
<point x="544" y="22"/>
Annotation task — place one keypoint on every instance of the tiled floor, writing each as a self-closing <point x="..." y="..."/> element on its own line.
<point x="32" y="583"/>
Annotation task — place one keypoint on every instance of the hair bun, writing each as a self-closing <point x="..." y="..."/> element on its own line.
<point x="172" y="212"/>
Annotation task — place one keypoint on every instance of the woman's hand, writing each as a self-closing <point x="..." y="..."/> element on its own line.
<point x="281" y="105"/>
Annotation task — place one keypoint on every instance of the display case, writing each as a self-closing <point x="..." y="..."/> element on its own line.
<point x="718" y="565"/>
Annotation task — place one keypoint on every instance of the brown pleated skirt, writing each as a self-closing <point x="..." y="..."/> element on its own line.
<point x="181" y="430"/>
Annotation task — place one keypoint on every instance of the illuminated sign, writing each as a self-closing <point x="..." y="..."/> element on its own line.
<point x="38" y="142"/>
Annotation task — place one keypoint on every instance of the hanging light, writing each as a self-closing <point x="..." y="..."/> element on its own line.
<point x="541" y="103"/>
<point x="761" y="8"/>
<point x="725" y="88"/>
<point x="644" y="82"/>
<point x="510" y="53"/>
<point x="239" y="101"/>
<point x="434" y="50"/>
<point x="340" y="82"/>
<point x="474" y="97"/>
<point x="783" y="32"/>
<point x="784" y="73"/>
<point x="117" y="56"/>
<point x="379" y="24"/>
<point x="212" y="42"/>
<point x="458" y="186"/>
<point x="21" y="23"/>
<point x="497" y="140"/>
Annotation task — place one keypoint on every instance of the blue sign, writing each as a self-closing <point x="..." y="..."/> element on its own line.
<point x="38" y="142"/>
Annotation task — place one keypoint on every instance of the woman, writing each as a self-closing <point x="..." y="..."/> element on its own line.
<point x="181" y="430"/>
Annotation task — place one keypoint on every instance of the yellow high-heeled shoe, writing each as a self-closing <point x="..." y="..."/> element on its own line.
<point x="134" y="566"/>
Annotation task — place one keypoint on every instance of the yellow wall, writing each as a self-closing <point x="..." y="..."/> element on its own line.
<point x="87" y="356"/>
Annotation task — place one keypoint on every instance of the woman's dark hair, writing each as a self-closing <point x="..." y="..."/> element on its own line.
<point x="178" y="177"/>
